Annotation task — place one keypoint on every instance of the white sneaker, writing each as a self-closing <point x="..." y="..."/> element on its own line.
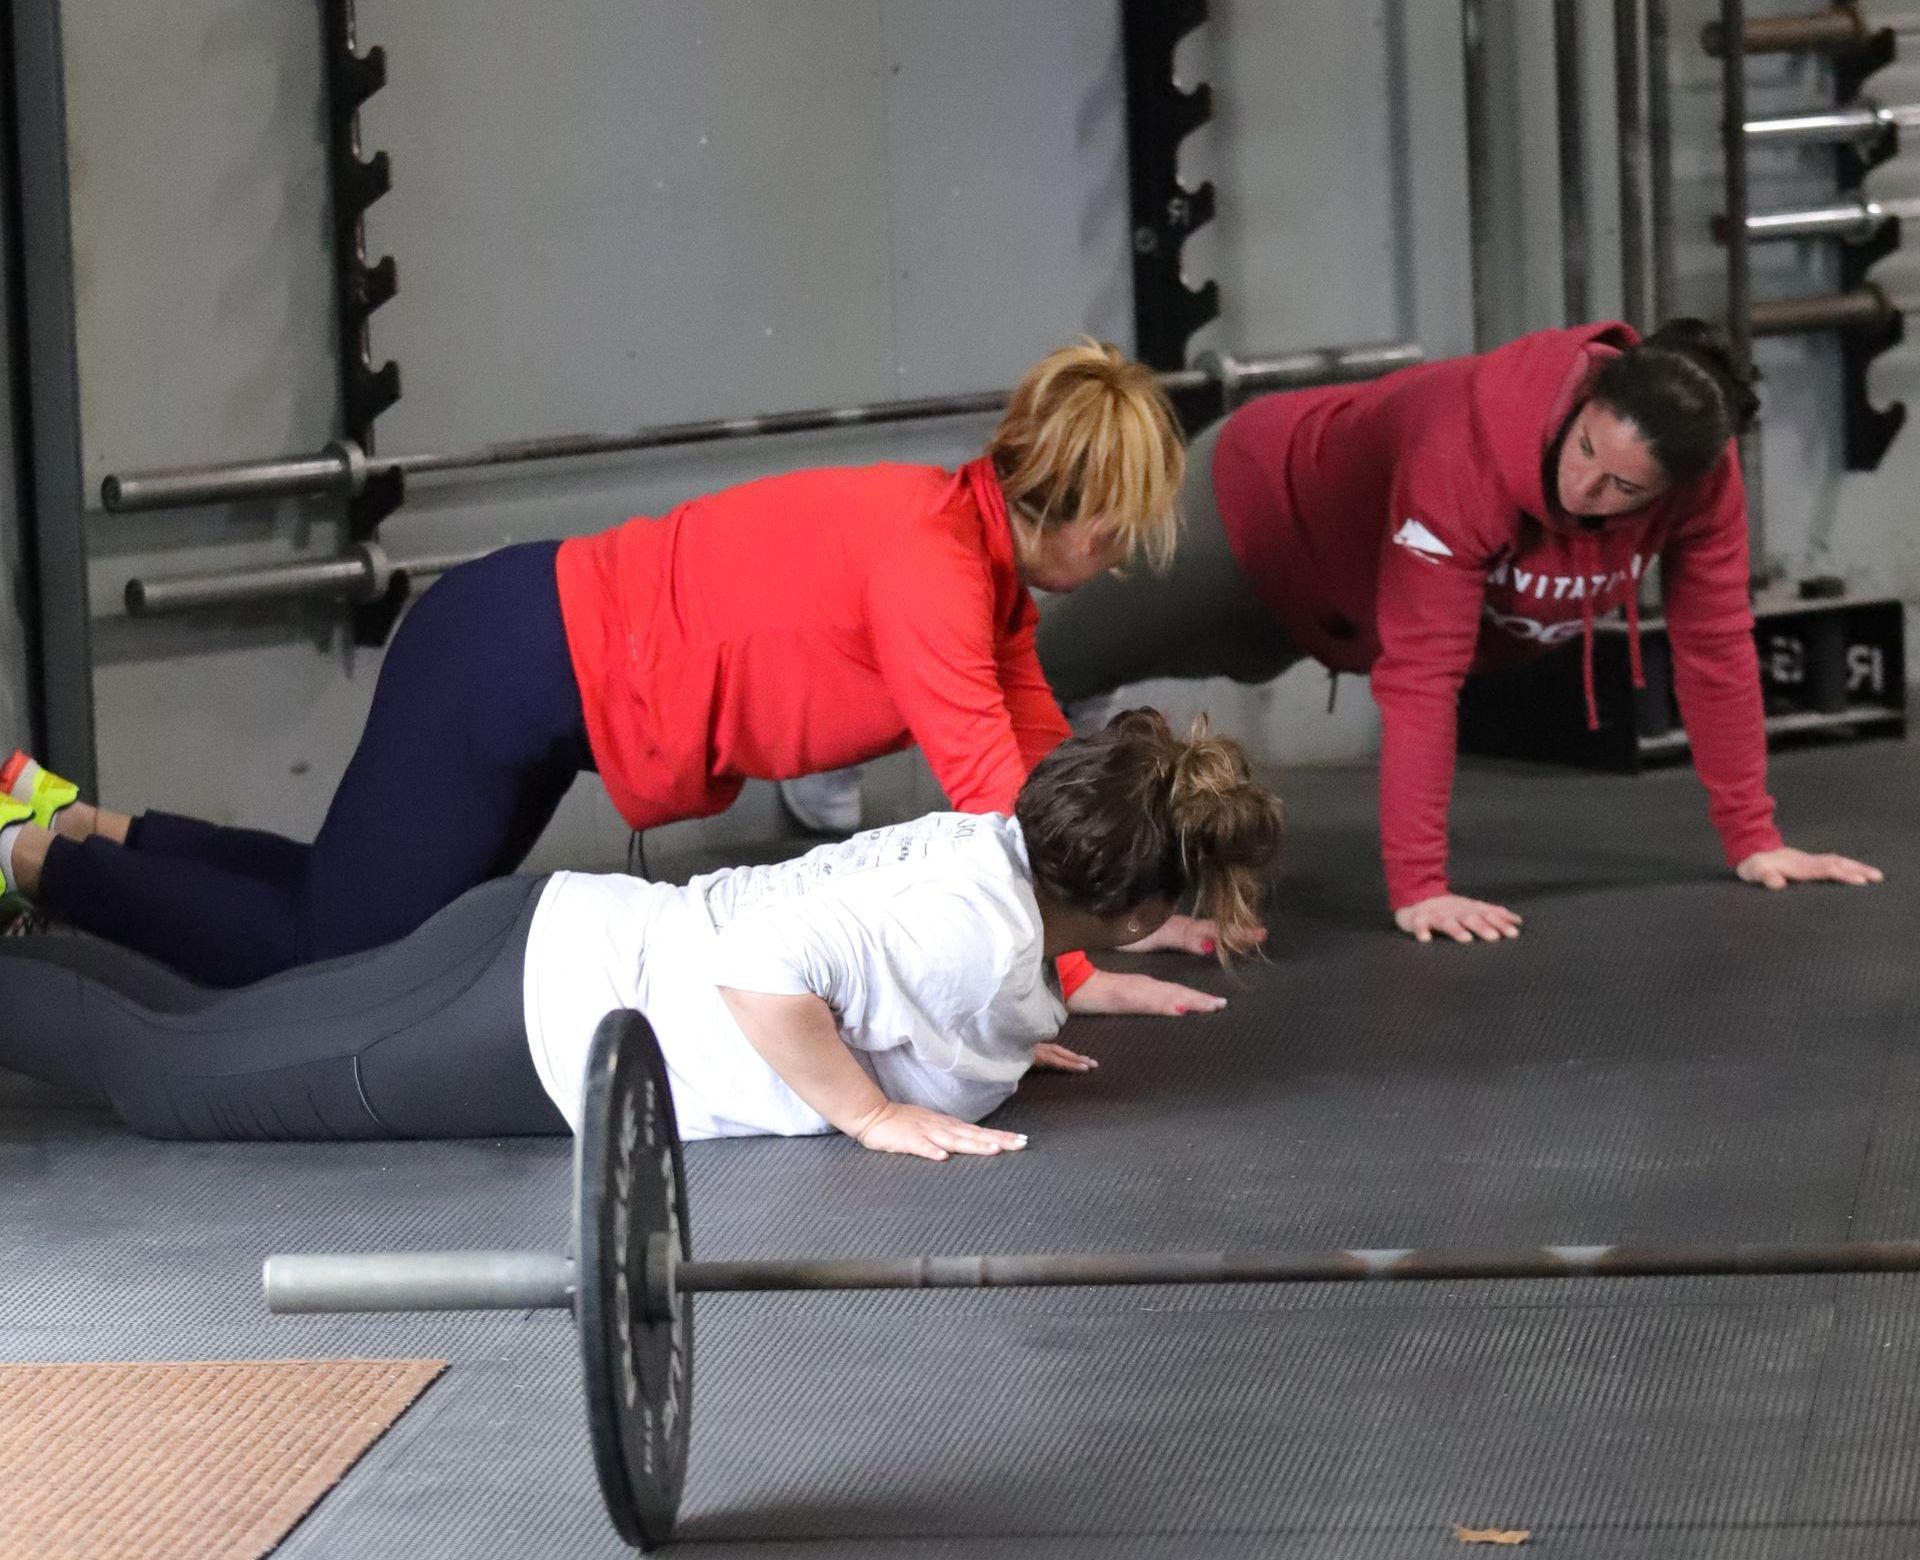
<point x="1086" y="716"/>
<point x="826" y="803"/>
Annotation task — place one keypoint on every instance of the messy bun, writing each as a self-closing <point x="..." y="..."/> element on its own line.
<point x="1134" y="813"/>
<point x="1685" y="392"/>
<point x="1089" y="434"/>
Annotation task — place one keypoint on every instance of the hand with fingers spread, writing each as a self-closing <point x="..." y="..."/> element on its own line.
<point x="1778" y="868"/>
<point x="1187" y="934"/>
<point x="1107" y="992"/>
<point x="913" y="1129"/>
<point x="1057" y="1058"/>
<point x="1462" y="919"/>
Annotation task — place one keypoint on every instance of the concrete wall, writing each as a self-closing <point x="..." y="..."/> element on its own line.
<point x="628" y="213"/>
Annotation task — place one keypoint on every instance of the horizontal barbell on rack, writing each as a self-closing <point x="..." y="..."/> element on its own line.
<point x="1830" y="31"/>
<point x="1865" y="308"/>
<point x="631" y="1281"/>
<point x="360" y="574"/>
<point x="342" y="468"/>
<point x="1855" y="218"/>
<point x="1862" y="120"/>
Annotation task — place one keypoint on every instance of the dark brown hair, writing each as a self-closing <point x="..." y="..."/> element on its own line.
<point x="1685" y="393"/>
<point x="1134" y="813"/>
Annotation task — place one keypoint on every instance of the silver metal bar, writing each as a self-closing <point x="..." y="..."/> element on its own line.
<point x="341" y="468"/>
<point x="1733" y="147"/>
<point x="1569" y="102"/>
<point x="1241" y="377"/>
<point x="1660" y="157"/>
<point x="359" y="574"/>
<point x="1294" y="1267"/>
<point x="1733" y="120"/>
<point x="1861" y="121"/>
<point x="345" y="576"/>
<point x="572" y="446"/>
<point x="363" y="571"/>
<point x="419" y="1281"/>
<point x="529" y="1280"/>
<point x="1479" y="87"/>
<point x="1629" y="85"/>
<point x="1851" y="219"/>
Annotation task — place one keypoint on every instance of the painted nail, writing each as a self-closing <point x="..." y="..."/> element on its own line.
<point x="1207" y="946"/>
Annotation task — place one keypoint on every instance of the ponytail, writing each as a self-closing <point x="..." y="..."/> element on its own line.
<point x="1683" y="390"/>
<point x="1089" y="434"/>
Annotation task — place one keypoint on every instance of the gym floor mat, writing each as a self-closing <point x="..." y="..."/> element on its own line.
<point x="1665" y="1055"/>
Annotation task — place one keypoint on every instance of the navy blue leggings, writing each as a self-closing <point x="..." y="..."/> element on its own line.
<point x="475" y="734"/>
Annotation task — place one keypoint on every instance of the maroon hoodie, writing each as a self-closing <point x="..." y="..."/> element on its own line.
<point x="1402" y="528"/>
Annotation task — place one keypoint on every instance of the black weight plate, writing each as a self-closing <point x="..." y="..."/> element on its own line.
<point x="639" y="1372"/>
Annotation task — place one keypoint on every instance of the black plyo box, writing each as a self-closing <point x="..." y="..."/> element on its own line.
<point x="1829" y="670"/>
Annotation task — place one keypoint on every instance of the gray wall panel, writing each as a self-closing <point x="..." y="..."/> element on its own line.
<point x="652" y="212"/>
<point x="199" y="229"/>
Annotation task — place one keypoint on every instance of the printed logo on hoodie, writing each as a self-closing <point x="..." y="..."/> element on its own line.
<point x="1421" y="542"/>
<point x="1516" y="586"/>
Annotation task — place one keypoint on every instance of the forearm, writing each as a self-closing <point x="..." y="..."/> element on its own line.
<point x="1718" y="685"/>
<point x="1418" y="745"/>
<point x="798" y="1038"/>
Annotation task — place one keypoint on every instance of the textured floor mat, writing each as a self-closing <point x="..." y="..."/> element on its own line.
<point x="1665" y="1055"/>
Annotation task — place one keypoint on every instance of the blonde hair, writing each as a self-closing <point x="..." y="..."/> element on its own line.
<point x="1133" y="812"/>
<point x="1089" y="434"/>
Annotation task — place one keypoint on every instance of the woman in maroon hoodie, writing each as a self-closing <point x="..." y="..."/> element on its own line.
<point x="1455" y="517"/>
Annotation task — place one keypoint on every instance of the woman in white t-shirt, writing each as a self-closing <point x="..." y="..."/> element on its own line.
<point x="894" y="986"/>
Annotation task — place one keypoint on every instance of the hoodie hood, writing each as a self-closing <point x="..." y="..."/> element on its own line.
<point x="1513" y="386"/>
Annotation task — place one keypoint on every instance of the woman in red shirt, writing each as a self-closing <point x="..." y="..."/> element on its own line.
<point x="798" y="623"/>
<point x="1455" y="517"/>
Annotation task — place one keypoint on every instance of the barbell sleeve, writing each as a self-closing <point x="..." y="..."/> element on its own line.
<point x="339" y="468"/>
<point x="419" y="1281"/>
<point x="1865" y="308"/>
<point x="361" y="573"/>
<point x="1855" y="218"/>
<point x="1832" y="31"/>
<point x="1861" y="120"/>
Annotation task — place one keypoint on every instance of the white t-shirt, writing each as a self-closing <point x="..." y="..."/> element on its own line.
<point x="924" y="939"/>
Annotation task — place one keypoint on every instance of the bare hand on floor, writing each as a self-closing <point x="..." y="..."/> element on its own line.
<point x="1462" y="919"/>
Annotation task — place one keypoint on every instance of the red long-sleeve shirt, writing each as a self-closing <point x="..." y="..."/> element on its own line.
<point x="806" y="622"/>
<point x="1401" y="528"/>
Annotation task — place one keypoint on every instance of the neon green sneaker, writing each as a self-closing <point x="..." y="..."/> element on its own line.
<point x="12" y="812"/>
<point x="23" y="780"/>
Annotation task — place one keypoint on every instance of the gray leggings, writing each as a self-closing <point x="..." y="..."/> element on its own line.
<point x="1199" y="619"/>
<point x="422" y="1038"/>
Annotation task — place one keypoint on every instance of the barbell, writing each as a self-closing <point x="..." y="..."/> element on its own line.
<point x="344" y="469"/>
<point x="631" y="1279"/>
